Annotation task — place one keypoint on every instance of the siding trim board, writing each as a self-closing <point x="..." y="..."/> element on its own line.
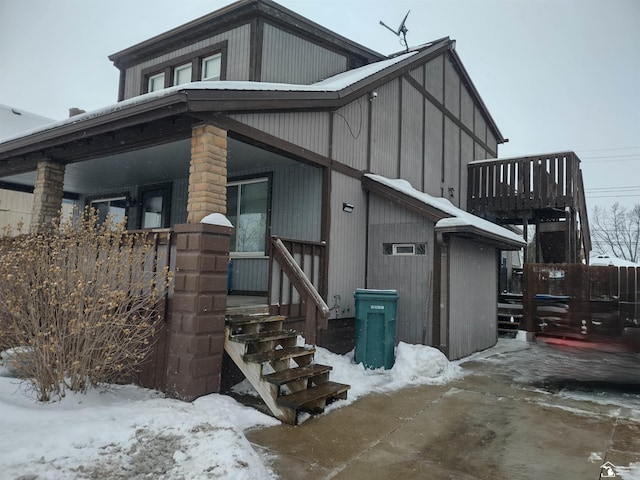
<point x="451" y="116"/>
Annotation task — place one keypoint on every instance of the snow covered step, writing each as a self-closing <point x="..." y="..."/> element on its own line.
<point x="299" y="373"/>
<point x="314" y="399"/>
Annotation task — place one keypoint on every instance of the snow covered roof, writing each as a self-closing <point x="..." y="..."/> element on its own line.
<point x="13" y="121"/>
<point x="602" y="260"/>
<point x="333" y="86"/>
<point x="453" y="219"/>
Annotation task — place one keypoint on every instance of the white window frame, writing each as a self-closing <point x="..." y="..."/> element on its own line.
<point x="180" y="68"/>
<point x="205" y="60"/>
<point x="240" y="184"/>
<point x="151" y="82"/>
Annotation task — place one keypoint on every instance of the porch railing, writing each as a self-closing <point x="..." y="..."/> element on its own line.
<point x="296" y="283"/>
<point x="525" y="183"/>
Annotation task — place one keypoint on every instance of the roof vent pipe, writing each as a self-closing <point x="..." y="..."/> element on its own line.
<point x="73" y="111"/>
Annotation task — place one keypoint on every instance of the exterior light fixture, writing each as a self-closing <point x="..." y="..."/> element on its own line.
<point x="347" y="207"/>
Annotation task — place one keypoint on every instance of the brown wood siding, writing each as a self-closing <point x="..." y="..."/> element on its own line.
<point x="418" y="74"/>
<point x="434" y="131"/>
<point x="451" y="88"/>
<point x="473" y="301"/>
<point x="309" y="130"/>
<point x="238" y="53"/>
<point x="351" y="134"/>
<point x="385" y="130"/>
<point x="411" y="276"/>
<point x="451" y="161"/>
<point x="287" y="58"/>
<point x="435" y="78"/>
<point x="347" y="247"/>
<point x="411" y="146"/>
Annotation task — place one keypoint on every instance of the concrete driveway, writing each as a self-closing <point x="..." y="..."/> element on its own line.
<point x="522" y="411"/>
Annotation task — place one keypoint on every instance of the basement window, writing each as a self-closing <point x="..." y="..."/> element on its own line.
<point x="404" y="249"/>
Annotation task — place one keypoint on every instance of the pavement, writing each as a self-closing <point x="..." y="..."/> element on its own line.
<point x="521" y="411"/>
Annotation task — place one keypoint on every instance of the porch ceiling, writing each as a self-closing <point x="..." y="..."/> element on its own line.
<point x="145" y="166"/>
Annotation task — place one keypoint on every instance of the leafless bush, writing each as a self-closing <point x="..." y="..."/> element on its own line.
<point x="83" y="299"/>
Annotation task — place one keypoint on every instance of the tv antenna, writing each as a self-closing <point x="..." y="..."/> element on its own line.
<point x="402" y="29"/>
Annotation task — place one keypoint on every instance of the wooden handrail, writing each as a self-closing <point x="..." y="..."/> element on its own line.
<point x="317" y="313"/>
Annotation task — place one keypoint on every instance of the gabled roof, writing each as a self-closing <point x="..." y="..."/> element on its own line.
<point x="239" y="12"/>
<point x="447" y="217"/>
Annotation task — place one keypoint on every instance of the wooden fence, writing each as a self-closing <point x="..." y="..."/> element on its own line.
<point x="578" y="301"/>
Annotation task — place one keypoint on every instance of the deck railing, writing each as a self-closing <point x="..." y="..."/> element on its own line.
<point x="296" y="283"/>
<point x="525" y="183"/>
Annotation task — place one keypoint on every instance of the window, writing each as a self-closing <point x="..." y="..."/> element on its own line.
<point x="156" y="82"/>
<point x="404" y="249"/>
<point x="207" y="64"/>
<point x="211" y="67"/>
<point x="116" y="207"/>
<point x="247" y="207"/>
<point x="182" y="74"/>
<point x="155" y="206"/>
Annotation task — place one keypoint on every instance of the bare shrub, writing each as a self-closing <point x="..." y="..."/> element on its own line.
<point x="82" y="301"/>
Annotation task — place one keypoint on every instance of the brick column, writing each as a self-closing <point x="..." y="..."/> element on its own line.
<point x="197" y="310"/>
<point x="47" y="193"/>
<point x="207" y="173"/>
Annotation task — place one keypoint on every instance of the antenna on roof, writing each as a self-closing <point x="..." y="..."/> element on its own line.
<point x="402" y="29"/>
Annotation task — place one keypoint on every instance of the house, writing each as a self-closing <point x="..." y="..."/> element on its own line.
<point x="355" y="161"/>
<point x="16" y="203"/>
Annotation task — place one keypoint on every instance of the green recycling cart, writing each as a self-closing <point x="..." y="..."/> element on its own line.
<point x="375" y="327"/>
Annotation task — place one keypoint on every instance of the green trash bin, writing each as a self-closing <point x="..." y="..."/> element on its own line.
<point x="375" y="327"/>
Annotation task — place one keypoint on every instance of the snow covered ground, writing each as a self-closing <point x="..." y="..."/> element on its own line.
<point x="131" y="433"/>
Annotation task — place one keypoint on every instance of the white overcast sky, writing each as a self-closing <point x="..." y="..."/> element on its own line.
<point x="555" y="74"/>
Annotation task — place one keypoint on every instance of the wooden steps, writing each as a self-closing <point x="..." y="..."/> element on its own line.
<point x="282" y="372"/>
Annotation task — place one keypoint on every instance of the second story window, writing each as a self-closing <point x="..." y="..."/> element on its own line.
<point x="182" y="74"/>
<point x="211" y="67"/>
<point x="156" y="82"/>
<point x="206" y="64"/>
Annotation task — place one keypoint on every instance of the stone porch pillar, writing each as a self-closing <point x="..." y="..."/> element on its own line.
<point x="207" y="173"/>
<point x="47" y="193"/>
<point x="197" y="310"/>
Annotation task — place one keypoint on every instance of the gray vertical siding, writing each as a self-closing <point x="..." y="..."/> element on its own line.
<point x="451" y="88"/>
<point x="434" y="132"/>
<point x="480" y="125"/>
<point x="238" y="54"/>
<point x="434" y="80"/>
<point x="451" y="160"/>
<point x="411" y="276"/>
<point x="287" y="58"/>
<point x="296" y="207"/>
<point x="411" y="153"/>
<point x="385" y="130"/>
<point x="179" y="200"/>
<point x="308" y="129"/>
<point x="351" y="133"/>
<point x="480" y="153"/>
<point x="466" y="108"/>
<point x="347" y="250"/>
<point x="466" y="156"/>
<point x="473" y="305"/>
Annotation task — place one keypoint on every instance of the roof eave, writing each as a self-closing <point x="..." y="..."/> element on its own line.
<point x="477" y="234"/>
